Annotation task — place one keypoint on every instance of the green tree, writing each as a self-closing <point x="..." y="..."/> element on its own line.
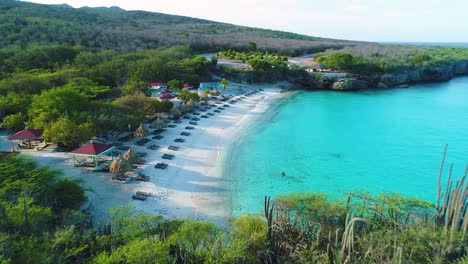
<point x="53" y="104"/>
<point x="136" y="87"/>
<point x="224" y="84"/>
<point x="340" y="61"/>
<point x="68" y="194"/>
<point x="68" y="134"/>
<point x="88" y="87"/>
<point x="14" y="122"/>
<point x="187" y="95"/>
<point x="176" y="85"/>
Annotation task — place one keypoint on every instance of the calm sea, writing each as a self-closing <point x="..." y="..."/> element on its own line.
<point x="337" y="142"/>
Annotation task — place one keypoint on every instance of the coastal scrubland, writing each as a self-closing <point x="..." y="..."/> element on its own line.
<point x="84" y="72"/>
<point x="41" y="223"/>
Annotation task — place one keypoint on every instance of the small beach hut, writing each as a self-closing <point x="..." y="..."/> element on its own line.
<point x="93" y="151"/>
<point x="27" y="134"/>
<point x="141" y="131"/>
<point x="120" y="166"/>
<point x="156" y="88"/>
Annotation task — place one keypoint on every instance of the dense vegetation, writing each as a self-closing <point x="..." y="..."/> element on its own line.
<point x="23" y="24"/>
<point x="367" y="59"/>
<point x="40" y="223"/>
<point x="74" y="94"/>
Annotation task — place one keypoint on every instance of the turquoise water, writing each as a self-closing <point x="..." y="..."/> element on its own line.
<point x="337" y="142"/>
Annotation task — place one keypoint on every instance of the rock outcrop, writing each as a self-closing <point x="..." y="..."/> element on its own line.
<point x="349" y="84"/>
<point x="396" y="79"/>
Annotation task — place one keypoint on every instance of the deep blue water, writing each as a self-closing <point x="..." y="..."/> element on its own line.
<point x="337" y="142"/>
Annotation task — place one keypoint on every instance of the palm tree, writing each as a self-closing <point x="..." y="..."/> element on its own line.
<point x="224" y="84"/>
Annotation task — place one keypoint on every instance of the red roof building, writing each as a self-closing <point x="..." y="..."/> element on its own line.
<point x="27" y="133"/>
<point x="157" y="84"/>
<point x="167" y="91"/>
<point x="92" y="150"/>
<point x="167" y="97"/>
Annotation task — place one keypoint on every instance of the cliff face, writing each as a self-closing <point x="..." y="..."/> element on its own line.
<point x="398" y="79"/>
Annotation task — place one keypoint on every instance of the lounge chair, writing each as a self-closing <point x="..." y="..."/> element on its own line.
<point x="173" y="148"/>
<point x="217" y="111"/>
<point x="161" y="166"/>
<point x="158" y="131"/>
<point x="210" y="114"/>
<point x="141" y="177"/>
<point x="171" y="126"/>
<point x="195" y="119"/>
<point x="123" y="147"/>
<point x="158" y="137"/>
<point x="147" y="194"/>
<point x="185" y="134"/>
<point x="120" y="178"/>
<point x="226" y="105"/>
<point x="179" y="140"/>
<point x="168" y="156"/>
<point x="221" y="108"/>
<point x="139" y="197"/>
<point x="204" y="116"/>
<point x="193" y="123"/>
<point x="189" y="128"/>
<point x="153" y="147"/>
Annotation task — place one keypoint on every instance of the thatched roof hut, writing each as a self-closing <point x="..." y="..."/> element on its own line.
<point x="132" y="157"/>
<point x="175" y="112"/>
<point x="159" y="124"/>
<point x="191" y="103"/>
<point x="120" y="165"/>
<point x="141" y="131"/>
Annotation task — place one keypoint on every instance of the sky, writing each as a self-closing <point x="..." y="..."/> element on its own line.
<point x="368" y="20"/>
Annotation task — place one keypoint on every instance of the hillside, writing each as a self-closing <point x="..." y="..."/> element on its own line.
<point x="23" y="23"/>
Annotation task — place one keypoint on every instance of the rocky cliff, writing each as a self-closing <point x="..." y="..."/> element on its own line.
<point x="388" y="80"/>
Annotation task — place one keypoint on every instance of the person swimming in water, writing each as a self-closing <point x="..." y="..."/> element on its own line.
<point x="283" y="174"/>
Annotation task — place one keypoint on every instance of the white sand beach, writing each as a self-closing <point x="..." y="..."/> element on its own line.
<point x="192" y="185"/>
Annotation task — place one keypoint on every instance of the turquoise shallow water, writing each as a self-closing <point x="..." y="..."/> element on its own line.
<point x="337" y="142"/>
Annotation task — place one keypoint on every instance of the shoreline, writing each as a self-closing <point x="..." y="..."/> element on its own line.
<point x="193" y="186"/>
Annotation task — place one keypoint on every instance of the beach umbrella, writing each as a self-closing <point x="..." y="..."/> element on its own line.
<point x="141" y="131"/>
<point x="120" y="165"/>
<point x="131" y="157"/>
